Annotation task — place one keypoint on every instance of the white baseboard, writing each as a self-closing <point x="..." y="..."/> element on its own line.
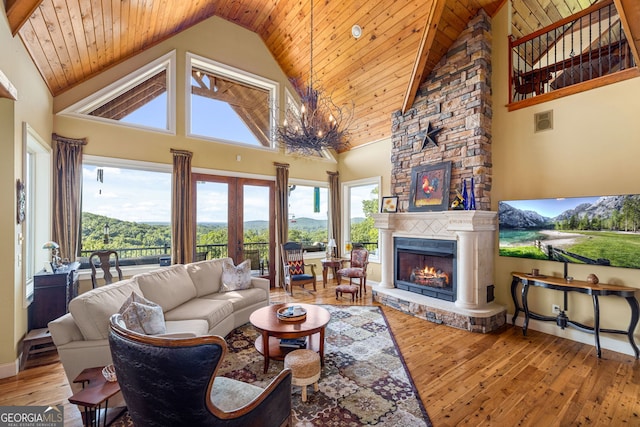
<point x="613" y="342"/>
<point x="9" y="369"/>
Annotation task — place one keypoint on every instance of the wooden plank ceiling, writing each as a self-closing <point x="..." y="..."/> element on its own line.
<point x="73" y="40"/>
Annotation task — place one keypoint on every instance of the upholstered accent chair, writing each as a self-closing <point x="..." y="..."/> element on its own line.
<point x="172" y="382"/>
<point x="296" y="272"/>
<point x="102" y="260"/>
<point x="357" y="268"/>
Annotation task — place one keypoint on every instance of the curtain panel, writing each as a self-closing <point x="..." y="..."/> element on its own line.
<point x="182" y="217"/>
<point x="335" y="211"/>
<point x="282" y="211"/>
<point x="67" y="194"/>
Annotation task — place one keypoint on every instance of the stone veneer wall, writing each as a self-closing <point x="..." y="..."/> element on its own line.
<point x="467" y="322"/>
<point x="457" y="98"/>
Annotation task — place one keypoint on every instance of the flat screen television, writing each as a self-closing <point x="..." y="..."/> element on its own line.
<point x="602" y="230"/>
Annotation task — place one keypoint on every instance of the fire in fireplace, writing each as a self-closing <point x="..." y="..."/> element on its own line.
<point x="430" y="276"/>
<point x="426" y="266"/>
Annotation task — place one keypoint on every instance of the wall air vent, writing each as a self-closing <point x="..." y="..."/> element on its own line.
<point x="543" y="121"/>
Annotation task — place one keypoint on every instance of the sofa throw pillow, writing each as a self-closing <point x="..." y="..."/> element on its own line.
<point x="235" y="278"/>
<point x="296" y="267"/>
<point x="143" y="316"/>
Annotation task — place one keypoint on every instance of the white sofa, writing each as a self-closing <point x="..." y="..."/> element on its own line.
<point x="190" y="298"/>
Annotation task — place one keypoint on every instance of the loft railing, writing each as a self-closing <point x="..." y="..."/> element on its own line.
<point x="579" y="48"/>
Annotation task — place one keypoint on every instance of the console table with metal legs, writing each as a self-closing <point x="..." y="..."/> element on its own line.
<point x="562" y="320"/>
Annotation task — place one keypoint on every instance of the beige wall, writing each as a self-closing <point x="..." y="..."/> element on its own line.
<point x="373" y="159"/>
<point x="593" y="150"/>
<point x="366" y="161"/>
<point x="34" y="106"/>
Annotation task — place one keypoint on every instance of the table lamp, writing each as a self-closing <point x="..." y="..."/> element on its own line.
<point x="54" y="248"/>
<point x="330" y="245"/>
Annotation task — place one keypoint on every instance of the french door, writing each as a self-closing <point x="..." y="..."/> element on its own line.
<point x="235" y="218"/>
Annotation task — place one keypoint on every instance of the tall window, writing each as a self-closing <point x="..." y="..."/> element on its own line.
<point x="308" y="215"/>
<point x="230" y="105"/>
<point x="38" y="206"/>
<point x="126" y="206"/>
<point x="361" y="200"/>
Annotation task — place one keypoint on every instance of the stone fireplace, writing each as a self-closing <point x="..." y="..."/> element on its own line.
<point x="434" y="235"/>
<point x="456" y="99"/>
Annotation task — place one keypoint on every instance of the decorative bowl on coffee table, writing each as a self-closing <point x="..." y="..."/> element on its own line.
<point x="288" y="314"/>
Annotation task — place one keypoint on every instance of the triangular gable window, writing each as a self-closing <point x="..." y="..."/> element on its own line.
<point x="142" y="99"/>
<point x="230" y="105"/>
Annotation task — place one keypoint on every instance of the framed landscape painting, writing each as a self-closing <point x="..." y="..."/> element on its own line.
<point x="430" y="187"/>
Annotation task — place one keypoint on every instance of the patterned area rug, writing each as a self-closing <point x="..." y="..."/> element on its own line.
<point x="364" y="380"/>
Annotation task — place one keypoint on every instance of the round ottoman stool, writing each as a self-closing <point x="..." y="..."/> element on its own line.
<point x="305" y="369"/>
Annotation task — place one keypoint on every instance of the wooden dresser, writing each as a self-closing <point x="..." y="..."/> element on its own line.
<point x="52" y="293"/>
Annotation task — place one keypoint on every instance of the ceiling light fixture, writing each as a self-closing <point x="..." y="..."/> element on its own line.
<point x="356" y="31"/>
<point x="320" y="124"/>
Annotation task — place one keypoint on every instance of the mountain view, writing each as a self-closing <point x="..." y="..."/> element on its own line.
<point x="600" y="231"/>
<point x="127" y="234"/>
<point x="610" y="212"/>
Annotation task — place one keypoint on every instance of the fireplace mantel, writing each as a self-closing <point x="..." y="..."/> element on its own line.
<point x="475" y="233"/>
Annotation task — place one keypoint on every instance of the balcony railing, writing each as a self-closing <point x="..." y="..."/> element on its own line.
<point x="152" y="254"/>
<point x="579" y="48"/>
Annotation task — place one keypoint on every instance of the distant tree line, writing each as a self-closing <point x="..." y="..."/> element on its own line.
<point x="128" y="234"/>
<point x="625" y="219"/>
<point x="122" y="234"/>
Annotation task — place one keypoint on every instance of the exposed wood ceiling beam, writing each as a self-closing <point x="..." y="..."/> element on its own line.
<point x="18" y="11"/>
<point x="7" y="90"/>
<point x="133" y="99"/>
<point x="424" y="49"/>
<point x="629" y="11"/>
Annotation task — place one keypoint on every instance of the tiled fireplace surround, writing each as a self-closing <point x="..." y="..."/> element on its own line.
<point x="456" y="97"/>
<point x="474" y="232"/>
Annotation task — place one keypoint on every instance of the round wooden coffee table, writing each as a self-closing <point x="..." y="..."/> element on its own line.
<point x="272" y="329"/>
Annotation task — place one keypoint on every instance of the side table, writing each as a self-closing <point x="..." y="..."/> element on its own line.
<point x="96" y="391"/>
<point x="334" y="263"/>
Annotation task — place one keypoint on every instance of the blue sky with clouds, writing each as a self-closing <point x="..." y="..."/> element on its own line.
<point x="142" y="196"/>
<point x="550" y="207"/>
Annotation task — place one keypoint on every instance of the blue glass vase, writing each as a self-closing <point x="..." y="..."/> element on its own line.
<point x="472" y="202"/>
<point x="465" y="199"/>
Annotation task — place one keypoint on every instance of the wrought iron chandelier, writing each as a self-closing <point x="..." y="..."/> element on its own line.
<point x="320" y="124"/>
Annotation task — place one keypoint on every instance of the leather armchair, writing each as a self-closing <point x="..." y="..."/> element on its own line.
<point x="172" y="382"/>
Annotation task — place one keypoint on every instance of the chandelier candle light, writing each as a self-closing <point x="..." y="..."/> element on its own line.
<point x="320" y="125"/>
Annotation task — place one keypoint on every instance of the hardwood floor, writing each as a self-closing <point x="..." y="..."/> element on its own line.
<point x="498" y="379"/>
